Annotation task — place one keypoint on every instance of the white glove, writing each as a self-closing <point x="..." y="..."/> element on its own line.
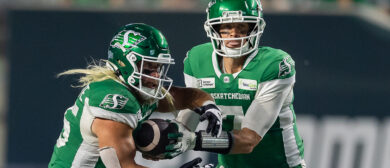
<point x="185" y="140"/>
<point x="212" y="113"/>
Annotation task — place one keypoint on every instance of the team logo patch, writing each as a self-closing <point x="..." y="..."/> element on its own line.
<point x="285" y="66"/>
<point x="247" y="84"/>
<point x="206" y="83"/>
<point x="114" y="101"/>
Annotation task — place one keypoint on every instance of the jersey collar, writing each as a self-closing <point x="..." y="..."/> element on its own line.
<point x="218" y="70"/>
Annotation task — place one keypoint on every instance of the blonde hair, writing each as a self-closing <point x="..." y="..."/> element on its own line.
<point x="99" y="71"/>
<point x="95" y="71"/>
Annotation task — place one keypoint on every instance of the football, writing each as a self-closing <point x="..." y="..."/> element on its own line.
<point x="151" y="136"/>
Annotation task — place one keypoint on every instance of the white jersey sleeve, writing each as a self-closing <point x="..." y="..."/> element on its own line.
<point x="190" y="81"/>
<point x="271" y="96"/>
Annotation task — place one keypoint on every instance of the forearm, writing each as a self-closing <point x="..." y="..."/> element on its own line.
<point x="116" y="145"/>
<point x="245" y="141"/>
<point x="189" y="98"/>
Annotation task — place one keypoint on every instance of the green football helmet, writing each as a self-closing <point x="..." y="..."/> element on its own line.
<point x="234" y="11"/>
<point x="135" y="45"/>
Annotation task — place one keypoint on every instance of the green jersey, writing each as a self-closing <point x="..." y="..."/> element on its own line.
<point x="77" y="146"/>
<point x="261" y="79"/>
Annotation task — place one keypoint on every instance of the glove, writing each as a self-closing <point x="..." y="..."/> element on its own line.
<point x="194" y="164"/>
<point x="212" y="113"/>
<point x="185" y="140"/>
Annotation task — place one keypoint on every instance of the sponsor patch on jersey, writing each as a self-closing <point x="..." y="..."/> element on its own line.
<point x="285" y="66"/>
<point x="114" y="101"/>
<point x="247" y="84"/>
<point x="206" y="83"/>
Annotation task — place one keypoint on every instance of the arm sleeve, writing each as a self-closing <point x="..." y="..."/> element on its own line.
<point x="189" y="78"/>
<point x="267" y="104"/>
<point x="188" y="117"/>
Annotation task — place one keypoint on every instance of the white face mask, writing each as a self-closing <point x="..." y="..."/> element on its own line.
<point x="235" y="51"/>
<point x="150" y="91"/>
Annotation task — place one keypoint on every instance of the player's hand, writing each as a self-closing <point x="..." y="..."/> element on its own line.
<point x="194" y="164"/>
<point x="212" y="113"/>
<point x="185" y="140"/>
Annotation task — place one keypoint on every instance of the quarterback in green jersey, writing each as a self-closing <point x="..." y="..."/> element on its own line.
<point x="117" y="96"/>
<point x="251" y="84"/>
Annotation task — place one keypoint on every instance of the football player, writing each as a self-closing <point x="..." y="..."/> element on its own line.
<point x="120" y="94"/>
<point x="251" y="84"/>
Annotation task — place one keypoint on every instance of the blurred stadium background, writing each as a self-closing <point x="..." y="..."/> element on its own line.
<point x="341" y="49"/>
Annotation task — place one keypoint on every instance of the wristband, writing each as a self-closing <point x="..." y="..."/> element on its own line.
<point x="207" y="142"/>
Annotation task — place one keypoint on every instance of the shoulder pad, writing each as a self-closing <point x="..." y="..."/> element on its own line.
<point x="279" y="64"/>
<point x="112" y="96"/>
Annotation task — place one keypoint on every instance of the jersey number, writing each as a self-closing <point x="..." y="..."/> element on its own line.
<point x="61" y="141"/>
<point x="235" y="111"/>
<point x="64" y="136"/>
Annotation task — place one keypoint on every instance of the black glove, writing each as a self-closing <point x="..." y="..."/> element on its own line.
<point x="194" y="164"/>
<point x="213" y="114"/>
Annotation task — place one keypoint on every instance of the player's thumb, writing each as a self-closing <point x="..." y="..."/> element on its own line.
<point x="204" y="116"/>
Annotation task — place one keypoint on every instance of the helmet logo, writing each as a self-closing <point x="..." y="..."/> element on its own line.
<point x="127" y="39"/>
<point x="132" y="38"/>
